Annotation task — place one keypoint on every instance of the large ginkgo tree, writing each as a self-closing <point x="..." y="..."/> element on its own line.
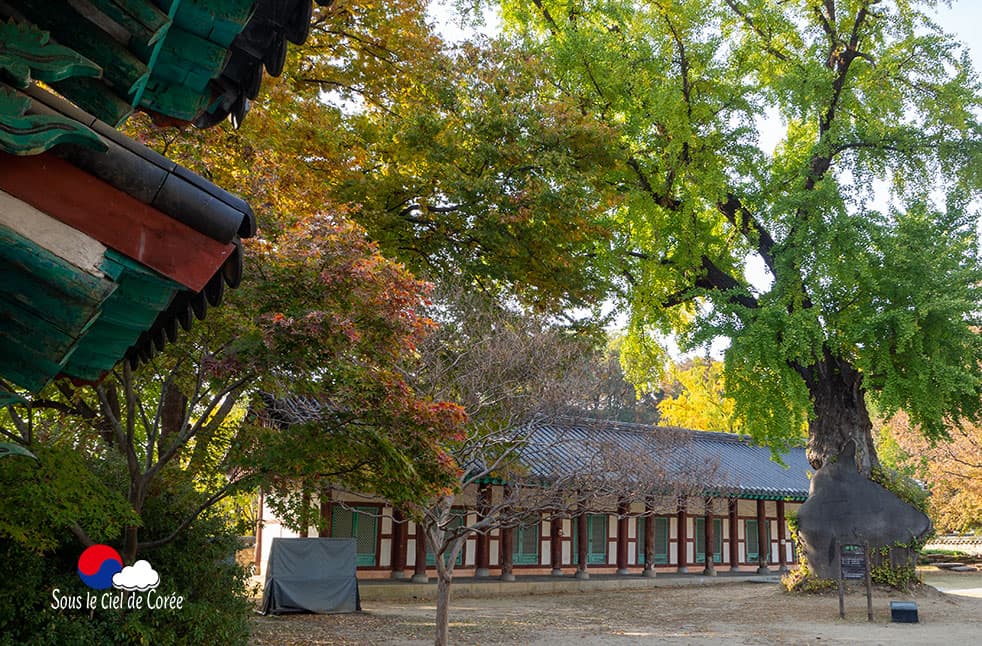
<point x="863" y="221"/>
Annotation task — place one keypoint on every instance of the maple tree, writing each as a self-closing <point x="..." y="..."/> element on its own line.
<point x="321" y="313"/>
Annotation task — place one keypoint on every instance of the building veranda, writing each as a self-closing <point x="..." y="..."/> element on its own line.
<point x="738" y="515"/>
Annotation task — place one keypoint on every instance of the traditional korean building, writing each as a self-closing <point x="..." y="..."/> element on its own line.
<point x="740" y="519"/>
<point x="107" y="248"/>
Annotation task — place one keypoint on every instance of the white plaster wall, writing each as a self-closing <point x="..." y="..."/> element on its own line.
<point x="411" y="553"/>
<point x="385" y="552"/>
<point x="747" y="508"/>
<point x="470" y="553"/>
<point x="272" y="529"/>
<point x="67" y="243"/>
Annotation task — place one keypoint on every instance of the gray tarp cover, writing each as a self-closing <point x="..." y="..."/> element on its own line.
<point x="311" y="575"/>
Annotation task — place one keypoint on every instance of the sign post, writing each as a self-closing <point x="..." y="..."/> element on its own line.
<point x="854" y="564"/>
<point x="842" y="601"/>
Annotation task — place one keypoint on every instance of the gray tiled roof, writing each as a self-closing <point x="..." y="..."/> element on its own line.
<point x="741" y="467"/>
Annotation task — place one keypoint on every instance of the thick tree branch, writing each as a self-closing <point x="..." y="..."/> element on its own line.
<point x="188" y="432"/>
<point x="125" y="448"/>
<point x="662" y="199"/>
<point x="714" y="279"/>
<point x="81" y="535"/>
<point x="749" y="227"/>
<point x="717" y="279"/>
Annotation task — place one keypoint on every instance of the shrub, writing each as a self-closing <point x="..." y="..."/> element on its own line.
<point x="198" y="565"/>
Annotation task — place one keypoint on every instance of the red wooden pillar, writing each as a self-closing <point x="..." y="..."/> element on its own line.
<point x="782" y="538"/>
<point x="581" y="547"/>
<point x="419" y="573"/>
<point x="556" y="544"/>
<point x="709" y="539"/>
<point x="734" y="535"/>
<point x="506" y="546"/>
<point x="622" y="529"/>
<point x="483" y="538"/>
<point x="507" y="553"/>
<point x="649" y="538"/>
<point x="763" y="544"/>
<point x="400" y="542"/>
<point x="683" y="539"/>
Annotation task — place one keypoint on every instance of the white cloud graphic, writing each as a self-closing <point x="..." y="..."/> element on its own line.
<point x="137" y="577"/>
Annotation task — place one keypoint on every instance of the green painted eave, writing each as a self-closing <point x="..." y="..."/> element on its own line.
<point x="58" y="319"/>
<point x="9" y="448"/>
<point x="491" y="481"/>
<point x="715" y="493"/>
<point x="140" y="296"/>
<point x="161" y="59"/>
<point x="8" y="398"/>
<point x="46" y="304"/>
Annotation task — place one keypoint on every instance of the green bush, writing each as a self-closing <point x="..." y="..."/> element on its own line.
<point x="198" y="565"/>
<point x="902" y="486"/>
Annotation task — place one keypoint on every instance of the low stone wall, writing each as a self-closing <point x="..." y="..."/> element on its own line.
<point x="470" y="589"/>
<point x="968" y="544"/>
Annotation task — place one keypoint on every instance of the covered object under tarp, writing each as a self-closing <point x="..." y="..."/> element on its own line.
<point x="311" y="575"/>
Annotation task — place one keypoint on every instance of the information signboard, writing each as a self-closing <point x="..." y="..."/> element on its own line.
<point x="853" y="561"/>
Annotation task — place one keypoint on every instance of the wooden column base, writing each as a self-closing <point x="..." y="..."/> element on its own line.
<point x="482" y="573"/>
<point x="399" y="575"/>
<point x="623" y="571"/>
<point x="582" y="574"/>
<point x="556" y="571"/>
<point x="648" y="573"/>
<point x="763" y="569"/>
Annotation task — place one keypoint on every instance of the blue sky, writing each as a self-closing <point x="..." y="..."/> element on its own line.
<point x="964" y="20"/>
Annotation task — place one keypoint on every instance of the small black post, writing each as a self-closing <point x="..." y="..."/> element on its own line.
<point x="842" y="600"/>
<point x="869" y="584"/>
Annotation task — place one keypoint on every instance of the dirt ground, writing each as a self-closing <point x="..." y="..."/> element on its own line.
<point x="730" y="613"/>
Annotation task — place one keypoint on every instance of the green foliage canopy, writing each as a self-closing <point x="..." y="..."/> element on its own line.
<point x="879" y="302"/>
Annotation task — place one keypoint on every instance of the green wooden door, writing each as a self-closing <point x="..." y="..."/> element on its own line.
<point x="596" y="543"/>
<point x="700" y="539"/>
<point x="751" y="541"/>
<point x="661" y="539"/>
<point x="526" y="542"/>
<point x="360" y="523"/>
